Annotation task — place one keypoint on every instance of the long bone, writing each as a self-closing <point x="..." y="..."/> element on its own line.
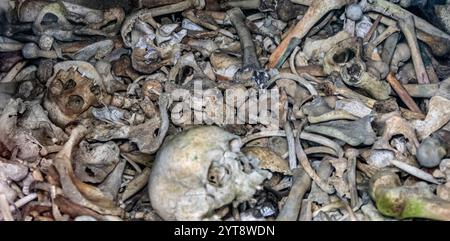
<point x="407" y="26"/>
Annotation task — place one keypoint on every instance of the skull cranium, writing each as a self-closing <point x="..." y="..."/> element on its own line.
<point x="199" y="171"/>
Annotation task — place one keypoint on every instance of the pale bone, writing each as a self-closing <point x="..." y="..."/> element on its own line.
<point x="10" y="47"/>
<point x="422" y="91"/>
<point x="414" y="171"/>
<point x="46" y="42"/>
<point x="197" y="20"/>
<point x="99" y="158"/>
<point x="351" y="154"/>
<point x="10" y="172"/>
<point x="291" y="145"/>
<point x="352" y="132"/>
<point x="300" y="186"/>
<point x="32" y="51"/>
<point x="304" y="135"/>
<point x="316" y="49"/>
<point x="407" y="26"/>
<point x="62" y="30"/>
<point x="384" y="35"/>
<point x="12" y="73"/>
<point x="303" y="159"/>
<point x="142" y="134"/>
<point x="401" y="54"/>
<point x="432" y="40"/>
<point x="428" y="33"/>
<point x="396" y="125"/>
<point x="353" y="106"/>
<point x="72" y="187"/>
<point x="324" y="141"/>
<point x="438" y="115"/>
<point x="312" y="90"/>
<point x="98" y="50"/>
<point x="342" y="89"/>
<point x="155" y="12"/>
<point x="332" y="115"/>
<point x="135" y="185"/>
<point x="320" y="150"/>
<point x="243" y="4"/>
<point x="188" y="183"/>
<point x="316" y="194"/>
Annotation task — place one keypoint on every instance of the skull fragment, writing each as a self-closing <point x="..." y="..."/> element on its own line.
<point x="199" y="171"/>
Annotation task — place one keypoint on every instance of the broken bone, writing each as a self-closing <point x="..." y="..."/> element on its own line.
<point x="438" y="115"/>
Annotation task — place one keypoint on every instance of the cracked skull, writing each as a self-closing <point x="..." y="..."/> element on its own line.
<point x="199" y="171"/>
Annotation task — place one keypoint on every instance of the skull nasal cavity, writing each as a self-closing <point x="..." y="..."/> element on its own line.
<point x="70" y="84"/>
<point x="75" y="103"/>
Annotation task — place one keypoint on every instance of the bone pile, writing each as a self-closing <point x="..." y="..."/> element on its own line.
<point x="91" y="127"/>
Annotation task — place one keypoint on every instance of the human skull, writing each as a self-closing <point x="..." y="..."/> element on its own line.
<point x="71" y="91"/>
<point x="199" y="171"/>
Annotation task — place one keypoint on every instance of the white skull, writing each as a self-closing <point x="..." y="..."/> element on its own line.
<point x="199" y="171"/>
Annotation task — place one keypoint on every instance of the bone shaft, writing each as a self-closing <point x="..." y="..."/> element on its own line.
<point x="9" y="47"/>
<point x="250" y="59"/>
<point x="4" y="209"/>
<point x="48" y="54"/>
<point x="153" y="3"/>
<point x="291" y="145"/>
<point x="303" y="2"/>
<point x="314" y="70"/>
<point x="291" y="208"/>
<point x="438" y="41"/>
<point x="245" y="4"/>
<point x="390" y="9"/>
<point x="407" y="27"/>
<point x="352" y="182"/>
<point x="385" y="35"/>
<point x="173" y="8"/>
<point x="422" y="91"/>
<point x="402" y="93"/>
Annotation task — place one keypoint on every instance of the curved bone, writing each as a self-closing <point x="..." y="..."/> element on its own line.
<point x="77" y="191"/>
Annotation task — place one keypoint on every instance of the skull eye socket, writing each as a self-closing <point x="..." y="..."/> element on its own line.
<point x="75" y="103"/>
